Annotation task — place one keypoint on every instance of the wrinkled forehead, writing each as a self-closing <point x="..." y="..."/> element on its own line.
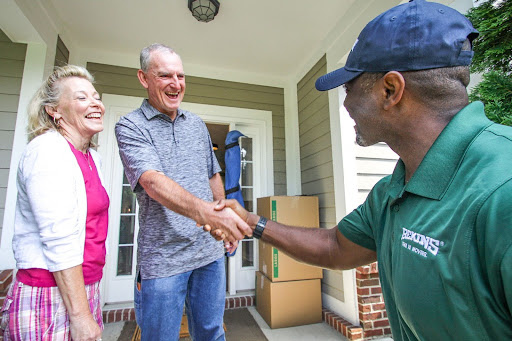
<point x="165" y="61"/>
<point x="74" y="84"/>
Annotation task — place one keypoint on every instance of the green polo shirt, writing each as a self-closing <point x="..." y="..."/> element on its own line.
<point x="444" y="240"/>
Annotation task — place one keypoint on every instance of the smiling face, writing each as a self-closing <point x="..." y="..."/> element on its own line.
<point x="79" y="110"/>
<point x="164" y="81"/>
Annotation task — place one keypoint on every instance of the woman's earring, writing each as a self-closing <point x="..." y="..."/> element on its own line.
<point x="56" y="121"/>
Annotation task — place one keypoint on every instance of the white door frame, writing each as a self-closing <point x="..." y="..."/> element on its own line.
<point x="259" y="119"/>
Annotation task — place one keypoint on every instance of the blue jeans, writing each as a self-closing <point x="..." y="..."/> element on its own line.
<point x="159" y="304"/>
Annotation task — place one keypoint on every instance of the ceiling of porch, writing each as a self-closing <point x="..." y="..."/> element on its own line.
<point x="264" y="37"/>
<point x="269" y="42"/>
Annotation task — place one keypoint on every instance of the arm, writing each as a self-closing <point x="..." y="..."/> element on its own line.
<point x="326" y="248"/>
<point x="217" y="187"/>
<point x="218" y="194"/>
<point x="53" y="200"/>
<point x="143" y="169"/>
<point x="170" y="194"/>
<point x="72" y="289"/>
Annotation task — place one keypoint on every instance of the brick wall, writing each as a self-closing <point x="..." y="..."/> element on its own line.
<point x="5" y="281"/>
<point x="372" y="310"/>
<point x="128" y="314"/>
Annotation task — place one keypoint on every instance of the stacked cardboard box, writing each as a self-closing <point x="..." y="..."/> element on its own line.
<point x="288" y="293"/>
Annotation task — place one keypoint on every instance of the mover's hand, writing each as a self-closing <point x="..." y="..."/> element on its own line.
<point x="227" y="222"/>
<point x="248" y="217"/>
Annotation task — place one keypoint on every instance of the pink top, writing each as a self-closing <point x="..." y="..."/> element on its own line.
<point x="95" y="233"/>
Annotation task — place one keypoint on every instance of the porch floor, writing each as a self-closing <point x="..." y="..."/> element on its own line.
<point x="319" y="331"/>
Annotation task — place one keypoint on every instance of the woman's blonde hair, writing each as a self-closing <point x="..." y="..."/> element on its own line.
<point x="39" y="121"/>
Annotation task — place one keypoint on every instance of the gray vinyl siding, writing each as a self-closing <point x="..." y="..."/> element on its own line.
<point x="123" y="81"/>
<point x="372" y="164"/>
<point x="61" y="53"/>
<point x="12" y="62"/>
<point x="316" y="159"/>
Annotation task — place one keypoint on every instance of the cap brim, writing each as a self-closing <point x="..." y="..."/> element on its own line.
<point x="335" y="78"/>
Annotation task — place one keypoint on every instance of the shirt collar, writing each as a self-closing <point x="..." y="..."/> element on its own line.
<point x="150" y="112"/>
<point x="440" y="164"/>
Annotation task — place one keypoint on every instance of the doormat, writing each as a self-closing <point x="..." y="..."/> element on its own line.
<point x="238" y="324"/>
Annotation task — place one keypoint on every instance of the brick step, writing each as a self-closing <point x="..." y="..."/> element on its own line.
<point x="5" y="281"/>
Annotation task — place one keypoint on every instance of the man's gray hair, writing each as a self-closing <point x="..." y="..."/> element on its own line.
<point x="145" y="54"/>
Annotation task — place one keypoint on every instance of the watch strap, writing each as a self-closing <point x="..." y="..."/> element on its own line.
<point x="260" y="226"/>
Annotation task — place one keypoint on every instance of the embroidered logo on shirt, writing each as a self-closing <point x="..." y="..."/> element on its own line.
<point x="425" y="242"/>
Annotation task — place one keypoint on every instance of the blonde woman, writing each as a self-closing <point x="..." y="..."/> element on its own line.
<point x="61" y="216"/>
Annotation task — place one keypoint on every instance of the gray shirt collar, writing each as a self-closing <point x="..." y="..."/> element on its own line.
<point x="150" y="112"/>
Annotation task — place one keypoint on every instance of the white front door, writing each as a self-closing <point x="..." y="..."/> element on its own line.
<point x="123" y="225"/>
<point x="256" y="181"/>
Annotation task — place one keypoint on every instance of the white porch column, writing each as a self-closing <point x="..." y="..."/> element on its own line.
<point x="33" y="73"/>
<point x="291" y="119"/>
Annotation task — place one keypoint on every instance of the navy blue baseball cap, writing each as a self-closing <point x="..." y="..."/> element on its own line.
<point x="417" y="35"/>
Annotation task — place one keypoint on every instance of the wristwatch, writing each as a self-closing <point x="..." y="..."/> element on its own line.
<point x="260" y="226"/>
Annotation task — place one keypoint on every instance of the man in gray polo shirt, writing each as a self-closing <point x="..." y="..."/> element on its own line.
<point x="169" y="161"/>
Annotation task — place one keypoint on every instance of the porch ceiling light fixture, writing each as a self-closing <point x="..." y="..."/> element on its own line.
<point x="204" y="10"/>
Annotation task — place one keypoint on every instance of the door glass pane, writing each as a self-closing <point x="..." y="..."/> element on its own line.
<point x="128" y="200"/>
<point x="247" y="253"/>
<point x="246" y="174"/>
<point x="126" y="229"/>
<point x="248" y="200"/>
<point x="124" y="260"/>
<point x="246" y="148"/>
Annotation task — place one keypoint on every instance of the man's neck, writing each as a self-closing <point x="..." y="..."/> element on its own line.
<point x="171" y="114"/>
<point x="415" y="141"/>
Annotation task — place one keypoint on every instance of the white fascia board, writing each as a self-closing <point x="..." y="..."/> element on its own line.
<point x="28" y="22"/>
<point x="16" y="25"/>
<point x="83" y="55"/>
<point x="341" y="38"/>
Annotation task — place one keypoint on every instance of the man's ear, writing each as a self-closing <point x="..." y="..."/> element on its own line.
<point x="142" y="78"/>
<point x="394" y="85"/>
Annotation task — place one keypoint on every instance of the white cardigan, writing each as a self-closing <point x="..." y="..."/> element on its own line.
<point x="51" y="209"/>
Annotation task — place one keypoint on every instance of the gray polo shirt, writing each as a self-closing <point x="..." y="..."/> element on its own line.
<point x="169" y="243"/>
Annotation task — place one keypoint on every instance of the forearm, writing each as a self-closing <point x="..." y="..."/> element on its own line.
<point x="170" y="194"/>
<point x="217" y="187"/>
<point x="307" y="245"/>
<point x="326" y="248"/>
<point x="72" y="289"/>
<point x="82" y="323"/>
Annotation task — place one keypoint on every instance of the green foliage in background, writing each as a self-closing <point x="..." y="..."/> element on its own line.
<point x="493" y="57"/>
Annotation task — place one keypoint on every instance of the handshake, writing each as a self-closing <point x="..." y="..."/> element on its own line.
<point x="227" y="220"/>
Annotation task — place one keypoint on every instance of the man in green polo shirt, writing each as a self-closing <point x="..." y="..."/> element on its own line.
<point x="440" y="226"/>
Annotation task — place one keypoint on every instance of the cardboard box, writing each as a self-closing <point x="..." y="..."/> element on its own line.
<point x="288" y="304"/>
<point x="289" y="210"/>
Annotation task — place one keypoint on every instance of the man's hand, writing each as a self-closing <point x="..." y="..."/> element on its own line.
<point x="232" y="226"/>
<point x="231" y="247"/>
<point x="224" y="204"/>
